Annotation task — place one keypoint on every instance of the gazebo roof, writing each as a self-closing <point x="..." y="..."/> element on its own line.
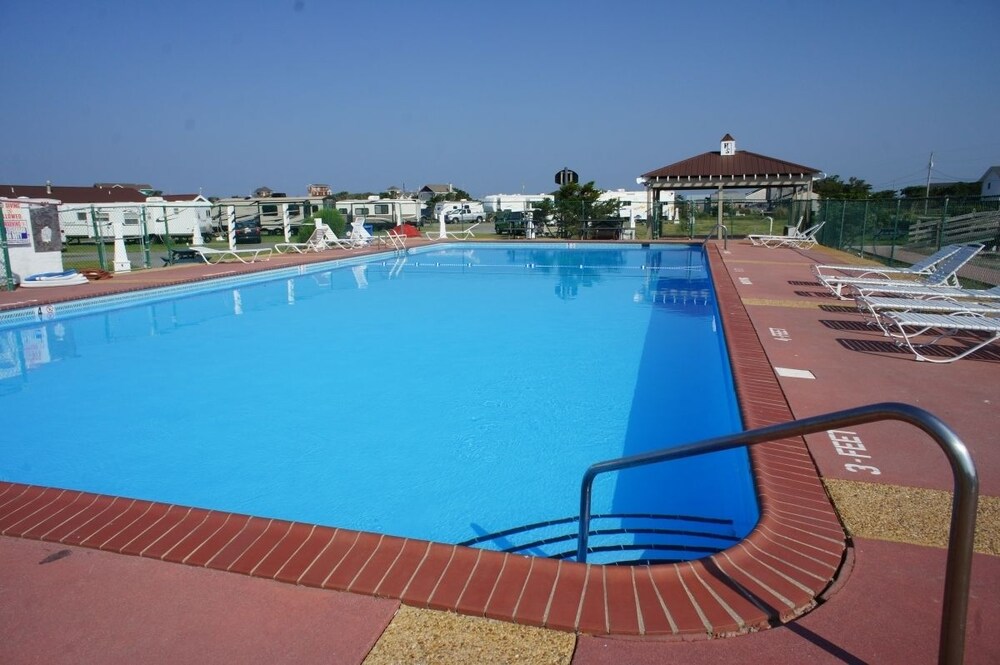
<point x="742" y="169"/>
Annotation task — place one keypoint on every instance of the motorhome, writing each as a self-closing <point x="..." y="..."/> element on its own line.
<point x="382" y="212"/>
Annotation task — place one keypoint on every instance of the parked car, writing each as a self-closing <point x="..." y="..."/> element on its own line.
<point x="247" y="230"/>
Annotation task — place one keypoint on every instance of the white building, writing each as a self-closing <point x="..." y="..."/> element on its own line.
<point x="990" y="182"/>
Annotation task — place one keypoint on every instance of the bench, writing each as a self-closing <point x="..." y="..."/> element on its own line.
<point x="178" y="255"/>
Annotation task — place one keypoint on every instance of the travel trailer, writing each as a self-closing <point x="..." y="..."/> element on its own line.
<point x="514" y="202"/>
<point x="269" y="209"/>
<point x="157" y="216"/>
<point x="384" y="212"/>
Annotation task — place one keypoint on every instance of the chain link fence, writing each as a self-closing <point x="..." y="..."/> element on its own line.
<point x="138" y="236"/>
<point x="906" y="230"/>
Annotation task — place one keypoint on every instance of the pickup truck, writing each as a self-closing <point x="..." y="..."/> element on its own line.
<point x="463" y="214"/>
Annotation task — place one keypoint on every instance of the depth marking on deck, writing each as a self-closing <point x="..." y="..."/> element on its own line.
<point x="794" y="373"/>
<point x="745" y="280"/>
<point x="800" y="304"/>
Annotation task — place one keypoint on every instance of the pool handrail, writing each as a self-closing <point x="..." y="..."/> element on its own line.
<point x="964" y="501"/>
<point x="724" y="232"/>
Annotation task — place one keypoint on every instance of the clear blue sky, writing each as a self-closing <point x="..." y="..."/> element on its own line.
<point x="227" y="96"/>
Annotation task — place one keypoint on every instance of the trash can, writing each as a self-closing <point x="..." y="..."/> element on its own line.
<point x="370" y="228"/>
<point x="791" y="230"/>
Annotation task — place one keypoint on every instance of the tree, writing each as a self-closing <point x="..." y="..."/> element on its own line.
<point x="575" y="204"/>
<point x="958" y="189"/>
<point x="832" y="187"/>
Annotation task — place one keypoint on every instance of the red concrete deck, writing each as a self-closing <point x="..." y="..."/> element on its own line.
<point x="775" y="575"/>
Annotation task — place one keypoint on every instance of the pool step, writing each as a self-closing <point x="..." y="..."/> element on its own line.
<point x="617" y="538"/>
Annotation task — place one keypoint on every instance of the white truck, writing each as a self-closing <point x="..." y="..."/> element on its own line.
<point x="465" y="214"/>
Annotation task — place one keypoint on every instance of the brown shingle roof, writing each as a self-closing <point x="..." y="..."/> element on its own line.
<point x="742" y="163"/>
<point x="75" y="194"/>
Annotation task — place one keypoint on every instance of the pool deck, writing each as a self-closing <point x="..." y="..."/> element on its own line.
<point x="872" y="597"/>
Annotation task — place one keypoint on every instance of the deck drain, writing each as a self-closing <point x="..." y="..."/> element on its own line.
<point x="794" y="373"/>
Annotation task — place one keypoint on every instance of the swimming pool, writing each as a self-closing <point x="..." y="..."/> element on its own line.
<point x="448" y="394"/>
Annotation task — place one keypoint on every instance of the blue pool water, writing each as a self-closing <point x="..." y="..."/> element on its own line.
<point x="450" y="395"/>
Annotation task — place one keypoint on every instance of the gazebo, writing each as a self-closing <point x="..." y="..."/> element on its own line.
<point x="727" y="168"/>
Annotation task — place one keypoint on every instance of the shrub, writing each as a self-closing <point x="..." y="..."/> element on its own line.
<point x="329" y="216"/>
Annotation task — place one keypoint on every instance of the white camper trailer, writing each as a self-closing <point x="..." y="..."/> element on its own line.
<point x="382" y="211"/>
<point x="632" y="205"/>
<point x="269" y="209"/>
<point x="448" y="207"/>
<point x="494" y="203"/>
<point x="158" y="216"/>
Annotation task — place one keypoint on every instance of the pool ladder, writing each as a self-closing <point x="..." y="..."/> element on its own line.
<point x="963" y="510"/>
<point x="725" y="235"/>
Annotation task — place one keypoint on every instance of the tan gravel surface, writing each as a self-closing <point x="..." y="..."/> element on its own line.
<point x="909" y="514"/>
<point x="429" y="637"/>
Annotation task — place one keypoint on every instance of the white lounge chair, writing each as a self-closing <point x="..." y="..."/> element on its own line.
<point x="332" y="240"/>
<point x="909" y="290"/>
<point x="921" y="267"/>
<point x="360" y="236"/>
<point x="762" y="239"/>
<point x="909" y="325"/>
<point x="453" y="235"/>
<point x="873" y="308"/>
<point x="798" y="239"/>
<point x="211" y="255"/>
<point x="465" y="234"/>
<point x="315" y="243"/>
<point x="944" y="273"/>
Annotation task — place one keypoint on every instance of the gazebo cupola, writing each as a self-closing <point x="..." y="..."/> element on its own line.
<point x="727" y="146"/>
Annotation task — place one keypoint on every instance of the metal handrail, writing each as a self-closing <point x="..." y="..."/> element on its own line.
<point x="725" y="235"/>
<point x="963" y="507"/>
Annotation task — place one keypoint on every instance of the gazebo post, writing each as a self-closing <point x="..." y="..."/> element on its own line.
<point x="718" y="228"/>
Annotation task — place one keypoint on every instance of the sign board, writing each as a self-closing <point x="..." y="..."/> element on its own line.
<point x="17" y="223"/>
<point x="566" y="176"/>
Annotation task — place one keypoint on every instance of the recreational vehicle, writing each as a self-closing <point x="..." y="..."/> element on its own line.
<point x="383" y="213"/>
<point x="270" y="210"/>
<point x="631" y="205"/>
<point x="157" y="217"/>
<point x="455" y="207"/>
<point x="514" y="202"/>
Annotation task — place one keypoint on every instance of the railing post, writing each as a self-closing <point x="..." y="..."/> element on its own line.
<point x="965" y="497"/>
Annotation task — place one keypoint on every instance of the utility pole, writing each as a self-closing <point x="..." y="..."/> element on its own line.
<point x="927" y="192"/>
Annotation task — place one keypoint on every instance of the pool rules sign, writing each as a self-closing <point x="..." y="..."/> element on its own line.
<point x="566" y="176"/>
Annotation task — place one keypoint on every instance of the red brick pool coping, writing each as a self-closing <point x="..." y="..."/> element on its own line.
<point x="772" y="576"/>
